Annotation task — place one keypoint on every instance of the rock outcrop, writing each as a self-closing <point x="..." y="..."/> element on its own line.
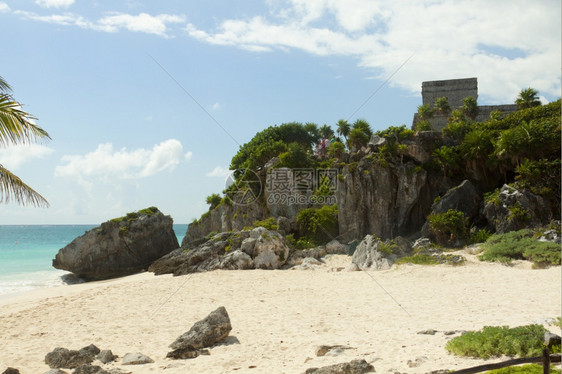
<point x="516" y="209"/>
<point x="71" y="359"/>
<point x="353" y="367"/>
<point x="204" y="333"/>
<point x="372" y="253"/>
<point x="120" y="246"/>
<point x="258" y="248"/>
<point x="136" y="359"/>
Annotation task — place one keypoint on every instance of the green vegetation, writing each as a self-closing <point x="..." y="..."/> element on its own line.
<point x="428" y="259"/>
<point x="520" y="245"/>
<point x="493" y="341"/>
<point x="527" y="98"/>
<point x="479" y="236"/>
<point x="213" y="200"/>
<point x="268" y="223"/>
<point x="524" y="369"/>
<point x="17" y="127"/>
<point x="449" y="227"/>
<point x="295" y="157"/>
<point x="318" y="225"/>
<point x="271" y="142"/>
<point x="441" y="105"/>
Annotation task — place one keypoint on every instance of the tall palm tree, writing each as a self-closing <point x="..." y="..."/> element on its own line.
<point x="17" y="127"/>
<point x="343" y="128"/>
<point x="527" y="98"/>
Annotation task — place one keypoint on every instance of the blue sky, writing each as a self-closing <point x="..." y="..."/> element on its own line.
<point x="125" y="136"/>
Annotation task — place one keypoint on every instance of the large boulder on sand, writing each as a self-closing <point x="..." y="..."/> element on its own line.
<point x="205" y="333"/>
<point x="119" y="247"/>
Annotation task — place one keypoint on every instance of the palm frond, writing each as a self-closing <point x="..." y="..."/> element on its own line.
<point x="4" y="86"/>
<point x="13" y="188"/>
<point x="15" y="124"/>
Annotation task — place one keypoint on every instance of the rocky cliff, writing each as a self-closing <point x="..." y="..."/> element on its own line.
<point x="374" y="196"/>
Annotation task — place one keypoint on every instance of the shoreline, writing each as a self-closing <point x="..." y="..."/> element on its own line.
<point x="279" y="317"/>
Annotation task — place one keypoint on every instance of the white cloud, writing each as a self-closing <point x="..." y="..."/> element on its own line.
<point x="4" y="7"/>
<point x="220" y="172"/>
<point x="13" y="157"/>
<point x="115" y="22"/>
<point x="140" y="23"/>
<point x="215" y="106"/>
<point x="123" y="163"/>
<point x="458" y="39"/>
<point x="54" y="3"/>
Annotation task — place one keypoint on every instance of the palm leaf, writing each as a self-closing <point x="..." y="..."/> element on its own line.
<point x="13" y="188"/>
<point x="15" y="124"/>
<point x="4" y="86"/>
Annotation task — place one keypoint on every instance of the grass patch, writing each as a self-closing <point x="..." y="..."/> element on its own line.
<point x="524" y="369"/>
<point x="520" y="245"/>
<point x="494" y="341"/>
<point x="427" y="259"/>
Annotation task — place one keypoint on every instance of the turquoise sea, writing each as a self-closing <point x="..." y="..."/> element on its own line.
<point x="26" y="254"/>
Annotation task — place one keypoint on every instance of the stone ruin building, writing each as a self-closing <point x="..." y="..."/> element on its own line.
<point x="455" y="90"/>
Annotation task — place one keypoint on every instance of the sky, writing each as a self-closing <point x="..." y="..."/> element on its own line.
<point x="146" y="102"/>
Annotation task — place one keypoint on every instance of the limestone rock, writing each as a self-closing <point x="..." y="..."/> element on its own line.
<point x="70" y="359"/>
<point x="258" y="248"/>
<point x="516" y="209"/>
<point x="368" y="255"/>
<point x="248" y="246"/>
<point x="236" y="260"/>
<point x="11" y="370"/>
<point x="377" y="141"/>
<point x="463" y="197"/>
<point x="136" y="359"/>
<point x="307" y="263"/>
<point x="353" y="367"/>
<point x="120" y="246"/>
<point x="270" y="251"/>
<point x="421" y="243"/>
<point x="204" y="333"/>
<point x="336" y="248"/>
<point x="550" y="236"/>
<point x="106" y="356"/>
<point x="54" y="371"/>
<point x="379" y="200"/>
<point x="90" y="369"/>
<point x="330" y="350"/>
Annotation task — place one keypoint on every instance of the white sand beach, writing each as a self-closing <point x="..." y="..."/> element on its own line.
<point x="280" y="317"/>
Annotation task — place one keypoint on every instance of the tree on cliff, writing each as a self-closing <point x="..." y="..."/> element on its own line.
<point x="527" y="98"/>
<point x="343" y="128"/>
<point x="17" y="127"/>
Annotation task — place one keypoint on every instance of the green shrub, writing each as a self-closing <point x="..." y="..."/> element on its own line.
<point x="318" y="225"/>
<point x="520" y="245"/>
<point x="336" y="149"/>
<point x="424" y="125"/>
<point x="480" y="236"/>
<point x="448" y="227"/>
<point x="304" y="243"/>
<point x="213" y="200"/>
<point x="268" y="223"/>
<point x="524" y="369"/>
<point x="517" y="212"/>
<point x="493" y="341"/>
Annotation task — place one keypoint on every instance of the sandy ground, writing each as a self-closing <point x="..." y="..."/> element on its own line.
<point x="280" y="317"/>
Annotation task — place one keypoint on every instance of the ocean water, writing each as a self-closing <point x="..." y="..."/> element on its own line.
<point x="26" y="254"/>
